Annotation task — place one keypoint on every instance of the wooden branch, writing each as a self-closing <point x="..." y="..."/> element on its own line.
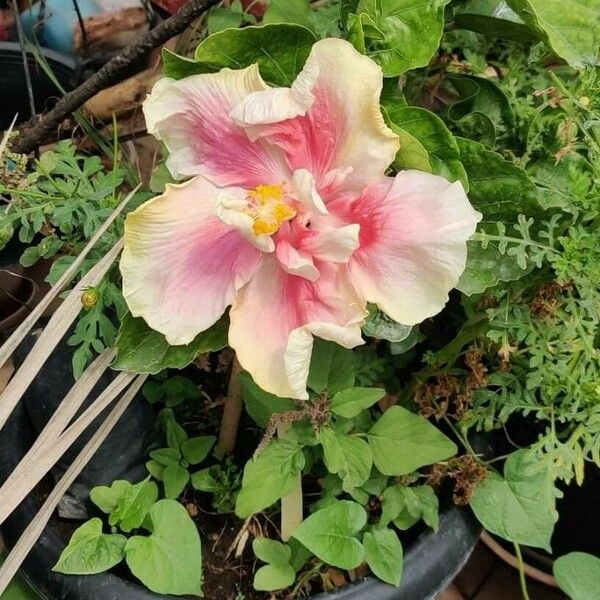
<point x="34" y="135"/>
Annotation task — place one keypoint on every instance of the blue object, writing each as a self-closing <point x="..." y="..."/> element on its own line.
<point x="59" y="23"/>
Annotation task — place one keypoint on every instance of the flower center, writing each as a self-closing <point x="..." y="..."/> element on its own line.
<point x="268" y="209"/>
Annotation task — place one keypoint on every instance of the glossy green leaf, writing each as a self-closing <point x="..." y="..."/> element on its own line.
<point x="169" y="560"/>
<point x="443" y="154"/>
<point x="91" y="551"/>
<point x="174" y="478"/>
<point x="403" y="442"/>
<point x="178" y="67"/>
<point x="520" y="507"/>
<point x="349" y="457"/>
<point x="571" y="27"/>
<point x="349" y="403"/>
<point x="279" y="49"/>
<point x="402" y="34"/>
<point x="143" y="350"/>
<point x="332" y="367"/>
<point x="330" y="534"/>
<point x="269" y="476"/>
<point x="578" y="575"/>
<point x="383" y="553"/>
<point x="261" y="405"/>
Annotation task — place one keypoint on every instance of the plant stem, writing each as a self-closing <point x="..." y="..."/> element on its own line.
<point x="521" y="572"/>
<point x="291" y="504"/>
<point x="231" y="412"/>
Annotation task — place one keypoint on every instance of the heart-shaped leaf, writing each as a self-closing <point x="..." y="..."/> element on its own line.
<point x="196" y="449"/>
<point x="349" y="403"/>
<point x="175" y="478"/>
<point x="383" y="553"/>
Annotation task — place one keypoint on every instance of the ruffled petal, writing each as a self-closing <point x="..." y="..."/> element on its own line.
<point x="191" y="116"/>
<point x="274" y="319"/>
<point x="181" y="265"/>
<point x="413" y="234"/>
<point x="329" y="119"/>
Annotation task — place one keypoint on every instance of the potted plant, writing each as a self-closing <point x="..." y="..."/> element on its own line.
<point x="307" y="460"/>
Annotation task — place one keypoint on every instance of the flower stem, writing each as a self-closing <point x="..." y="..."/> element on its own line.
<point x="291" y="504"/>
<point x="232" y="410"/>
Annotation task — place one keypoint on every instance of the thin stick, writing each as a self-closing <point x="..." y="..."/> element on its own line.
<point x="52" y="334"/>
<point x="291" y="504"/>
<point x="35" y="528"/>
<point x="32" y="468"/>
<point x="19" y="334"/>
<point x="4" y="142"/>
<point x="110" y="73"/>
<point x="522" y="580"/>
<point x="232" y="411"/>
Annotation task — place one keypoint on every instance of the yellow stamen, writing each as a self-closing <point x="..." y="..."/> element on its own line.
<point x="268" y="208"/>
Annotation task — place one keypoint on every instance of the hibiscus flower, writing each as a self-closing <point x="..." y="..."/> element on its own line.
<point x="289" y="217"/>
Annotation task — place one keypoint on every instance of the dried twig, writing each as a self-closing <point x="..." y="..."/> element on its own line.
<point x="34" y="135"/>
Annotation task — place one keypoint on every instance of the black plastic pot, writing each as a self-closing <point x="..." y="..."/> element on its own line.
<point x="13" y="95"/>
<point x="430" y="563"/>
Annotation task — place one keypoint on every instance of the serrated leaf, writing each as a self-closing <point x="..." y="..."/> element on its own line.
<point x="90" y="551"/>
<point x="520" y="507"/>
<point x="269" y="476"/>
<point x="349" y="403"/>
<point x="405" y="33"/>
<point x="169" y="560"/>
<point x="403" y="442"/>
<point x="330" y="533"/>
<point x="143" y="350"/>
<point x="280" y="50"/>
<point x="383" y="553"/>
<point x="349" y="457"/>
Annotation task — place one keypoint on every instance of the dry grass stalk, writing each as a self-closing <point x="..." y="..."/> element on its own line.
<point x="19" y="334"/>
<point x="35" y="528"/>
<point x="47" y="452"/>
<point x="4" y="141"/>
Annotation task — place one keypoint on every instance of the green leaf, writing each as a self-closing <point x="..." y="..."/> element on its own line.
<point x="482" y="108"/>
<point x="493" y="18"/>
<point x="220" y="18"/>
<point x="411" y="154"/>
<point x="204" y="481"/>
<point x="196" y="449"/>
<point x="161" y="174"/>
<point x="279" y="49"/>
<point x="382" y="327"/>
<point x="349" y="457"/>
<point x="443" y="154"/>
<point x="155" y="469"/>
<point x="383" y="553"/>
<point x="402" y="442"/>
<point x="332" y="367"/>
<point x="578" y="575"/>
<point x="405" y="33"/>
<point x="330" y="533"/>
<point x="166" y="456"/>
<point x="271" y="551"/>
<point x="290" y="11"/>
<point x="407" y="344"/>
<point x="269" y="476"/>
<point x="405" y="505"/>
<point x="178" y="67"/>
<point x="143" y="350"/>
<point x="91" y="551"/>
<point x="270" y="578"/>
<point x="500" y="190"/>
<point x="175" y="478"/>
<point x="128" y="504"/>
<point x="260" y="404"/>
<point x="349" y="403"/>
<point x="520" y="507"/>
<point x="169" y="561"/>
<point x="571" y="27"/>
<point x="174" y="432"/>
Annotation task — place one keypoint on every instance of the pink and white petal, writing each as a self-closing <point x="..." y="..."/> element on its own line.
<point x="191" y="116"/>
<point x="333" y="244"/>
<point x="413" y="234"/>
<point x="294" y="262"/>
<point x="343" y="127"/>
<point x="181" y="265"/>
<point x="305" y="190"/>
<point x="274" y="317"/>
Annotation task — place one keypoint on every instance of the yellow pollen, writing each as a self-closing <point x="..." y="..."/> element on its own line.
<point x="268" y="209"/>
